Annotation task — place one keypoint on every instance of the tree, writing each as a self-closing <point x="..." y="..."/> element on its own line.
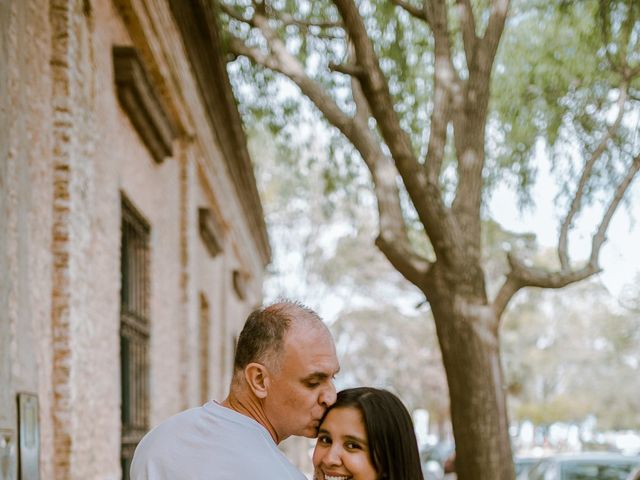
<point x="386" y="348"/>
<point x="571" y="355"/>
<point x="408" y="85"/>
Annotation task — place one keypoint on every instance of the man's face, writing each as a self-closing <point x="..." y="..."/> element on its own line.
<point x="300" y="392"/>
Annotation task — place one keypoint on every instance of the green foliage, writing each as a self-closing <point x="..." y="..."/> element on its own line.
<point x="561" y="408"/>
<point x="405" y="47"/>
<point x="556" y="84"/>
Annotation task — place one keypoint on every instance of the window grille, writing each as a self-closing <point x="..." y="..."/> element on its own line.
<point x="204" y="349"/>
<point x="134" y="332"/>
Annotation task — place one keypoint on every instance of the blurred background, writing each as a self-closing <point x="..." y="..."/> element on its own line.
<point x="451" y="185"/>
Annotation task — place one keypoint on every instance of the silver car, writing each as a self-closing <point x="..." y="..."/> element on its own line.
<point x="584" y="466"/>
<point x="523" y="465"/>
<point x="635" y="475"/>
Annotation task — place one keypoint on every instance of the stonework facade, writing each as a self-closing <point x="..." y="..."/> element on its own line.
<point x="76" y="148"/>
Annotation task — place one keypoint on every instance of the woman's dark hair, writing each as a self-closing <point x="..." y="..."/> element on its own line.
<point x="392" y="441"/>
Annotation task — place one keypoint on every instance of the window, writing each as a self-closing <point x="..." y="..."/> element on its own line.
<point x="134" y="332"/>
<point x="203" y="339"/>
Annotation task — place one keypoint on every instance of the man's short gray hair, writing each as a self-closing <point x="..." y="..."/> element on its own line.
<point x="262" y="337"/>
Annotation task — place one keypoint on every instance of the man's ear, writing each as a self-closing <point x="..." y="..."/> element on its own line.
<point x="257" y="377"/>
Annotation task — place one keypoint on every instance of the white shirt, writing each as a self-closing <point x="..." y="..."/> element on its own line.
<point x="210" y="443"/>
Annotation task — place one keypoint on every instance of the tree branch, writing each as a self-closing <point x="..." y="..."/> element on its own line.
<point x="420" y="13"/>
<point x="439" y="22"/>
<point x="288" y="19"/>
<point x="446" y="86"/>
<point x="356" y="130"/>
<point x="413" y="267"/>
<point x="509" y="288"/>
<point x="285" y="18"/>
<point x="522" y="276"/>
<point x="347" y="69"/>
<point x="623" y="186"/>
<point x="632" y="72"/>
<point x="469" y="119"/>
<point x="236" y="15"/>
<point x="238" y="48"/>
<point x="281" y="61"/>
<point x="425" y="197"/>
<point x="576" y="203"/>
<point x="537" y="277"/>
<point x="392" y="239"/>
<point x="495" y="27"/>
<point x="363" y="112"/>
<point x="440" y="117"/>
<point x="468" y="25"/>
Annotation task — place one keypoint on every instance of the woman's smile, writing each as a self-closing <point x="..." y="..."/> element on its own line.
<point x="342" y="450"/>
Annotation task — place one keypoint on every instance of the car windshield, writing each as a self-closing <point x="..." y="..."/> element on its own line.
<point x="524" y="464"/>
<point x="590" y="471"/>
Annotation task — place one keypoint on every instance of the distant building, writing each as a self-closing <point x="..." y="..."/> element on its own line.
<point x="132" y="239"/>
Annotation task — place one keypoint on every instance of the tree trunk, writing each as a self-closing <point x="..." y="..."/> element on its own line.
<point x="468" y="337"/>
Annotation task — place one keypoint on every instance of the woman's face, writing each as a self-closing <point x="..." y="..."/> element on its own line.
<point x="342" y="451"/>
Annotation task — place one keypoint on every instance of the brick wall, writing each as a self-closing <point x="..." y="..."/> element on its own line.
<point x="68" y="152"/>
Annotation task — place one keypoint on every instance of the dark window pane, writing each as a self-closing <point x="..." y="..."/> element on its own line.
<point x="134" y="331"/>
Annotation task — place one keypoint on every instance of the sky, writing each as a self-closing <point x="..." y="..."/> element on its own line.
<point x="619" y="256"/>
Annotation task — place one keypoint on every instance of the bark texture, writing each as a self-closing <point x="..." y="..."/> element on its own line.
<point x="468" y="338"/>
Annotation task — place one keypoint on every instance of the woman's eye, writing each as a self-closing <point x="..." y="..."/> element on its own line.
<point x="324" y="439"/>
<point x="352" y="446"/>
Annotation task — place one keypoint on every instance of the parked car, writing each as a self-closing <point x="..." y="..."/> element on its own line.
<point x="523" y="465"/>
<point x="584" y="466"/>
<point x="435" y="470"/>
<point x="433" y="458"/>
<point x="635" y="475"/>
<point x="432" y="470"/>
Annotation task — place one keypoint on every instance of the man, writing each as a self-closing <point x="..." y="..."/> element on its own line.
<point x="282" y="384"/>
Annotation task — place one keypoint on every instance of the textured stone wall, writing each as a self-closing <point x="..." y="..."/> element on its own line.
<point x="7" y="413"/>
<point x="72" y="126"/>
<point x="68" y="152"/>
<point x="25" y="211"/>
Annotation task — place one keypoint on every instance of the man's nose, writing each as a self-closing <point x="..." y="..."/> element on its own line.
<point x="328" y="396"/>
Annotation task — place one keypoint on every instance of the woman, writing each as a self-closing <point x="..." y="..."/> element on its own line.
<point x="366" y="435"/>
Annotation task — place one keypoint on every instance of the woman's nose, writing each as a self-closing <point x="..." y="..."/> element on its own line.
<point x="332" y="456"/>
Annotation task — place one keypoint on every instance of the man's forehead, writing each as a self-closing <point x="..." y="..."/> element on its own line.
<point x="312" y="354"/>
<point x="308" y="333"/>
